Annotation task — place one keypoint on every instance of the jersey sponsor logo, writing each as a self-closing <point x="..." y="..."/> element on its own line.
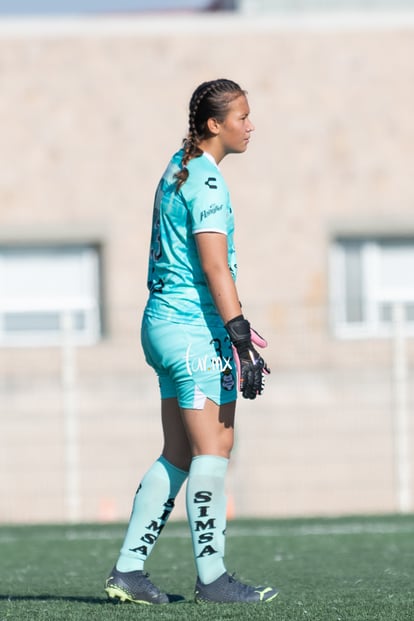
<point x="211" y="183"/>
<point x="206" y="363"/>
<point x="210" y="211"/>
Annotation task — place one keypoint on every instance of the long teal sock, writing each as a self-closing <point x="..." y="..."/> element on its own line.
<point x="206" y="510"/>
<point x="153" y="504"/>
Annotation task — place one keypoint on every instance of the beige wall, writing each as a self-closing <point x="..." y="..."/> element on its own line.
<point x="90" y="113"/>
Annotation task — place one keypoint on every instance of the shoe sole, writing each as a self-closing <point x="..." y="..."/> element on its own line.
<point x="115" y="593"/>
<point x="201" y="600"/>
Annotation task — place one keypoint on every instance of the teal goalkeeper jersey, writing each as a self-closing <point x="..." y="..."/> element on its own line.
<point x="177" y="286"/>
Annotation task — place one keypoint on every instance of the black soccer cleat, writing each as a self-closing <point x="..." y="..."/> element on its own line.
<point x="226" y="589"/>
<point x="133" y="586"/>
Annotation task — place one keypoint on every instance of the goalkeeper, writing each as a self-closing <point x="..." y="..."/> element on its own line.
<point x="202" y="349"/>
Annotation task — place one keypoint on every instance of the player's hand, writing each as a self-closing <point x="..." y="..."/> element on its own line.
<point x="251" y="380"/>
<point x="258" y="340"/>
<point x="251" y="368"/>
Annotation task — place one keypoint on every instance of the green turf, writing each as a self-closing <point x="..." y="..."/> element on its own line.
<point x="348" y="569"/>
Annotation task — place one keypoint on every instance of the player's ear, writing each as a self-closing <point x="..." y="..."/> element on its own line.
<point x="213" y="126"/>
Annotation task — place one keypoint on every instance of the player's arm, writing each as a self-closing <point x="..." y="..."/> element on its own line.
<point x="212" y="250"/>
<point x="251" y="368"/>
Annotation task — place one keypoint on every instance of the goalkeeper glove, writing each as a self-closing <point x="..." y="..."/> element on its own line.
<point x="251" y="368"/>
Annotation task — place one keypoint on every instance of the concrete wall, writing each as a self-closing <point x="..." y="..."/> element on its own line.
<point x="90" y="113"/>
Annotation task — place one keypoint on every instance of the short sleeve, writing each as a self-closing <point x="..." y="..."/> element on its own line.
<point x="209" y="204"/>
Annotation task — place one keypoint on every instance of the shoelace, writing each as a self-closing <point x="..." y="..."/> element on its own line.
<point x="143" y="578"/>
<point x="243" y="587"/>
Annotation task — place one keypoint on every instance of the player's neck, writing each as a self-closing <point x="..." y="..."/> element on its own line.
<point x="214" y="148"/>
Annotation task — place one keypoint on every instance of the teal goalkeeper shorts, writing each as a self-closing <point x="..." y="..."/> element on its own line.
<point x="192" y="362"/>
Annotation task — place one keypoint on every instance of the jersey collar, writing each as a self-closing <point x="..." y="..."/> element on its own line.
<point x="210" y="157"/>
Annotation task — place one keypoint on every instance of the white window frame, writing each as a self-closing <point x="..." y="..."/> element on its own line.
<point x="374" y="295"/>
<point x="86" y="302"/>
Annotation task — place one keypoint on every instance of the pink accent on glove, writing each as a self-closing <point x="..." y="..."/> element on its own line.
<point x="260" y="342"/>
<point x="256" y="340"/>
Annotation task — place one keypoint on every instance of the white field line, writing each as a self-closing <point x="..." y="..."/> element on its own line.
<point x="233" y="531"/>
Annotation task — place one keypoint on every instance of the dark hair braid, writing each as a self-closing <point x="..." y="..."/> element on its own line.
<point x="210" y="99"/>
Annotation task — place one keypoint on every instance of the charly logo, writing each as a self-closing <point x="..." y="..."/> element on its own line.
<point x="208" y="363"/>
<point x="211" y="183"/>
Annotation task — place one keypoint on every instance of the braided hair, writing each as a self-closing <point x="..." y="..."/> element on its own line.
<point x="210" y="99"/>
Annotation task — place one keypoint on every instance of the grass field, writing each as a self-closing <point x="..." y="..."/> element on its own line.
<point x="359" y="569"/>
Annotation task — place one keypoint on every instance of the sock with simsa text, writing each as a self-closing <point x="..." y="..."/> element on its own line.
<point x="206" y="510"/>
<point x="153" y="504"/>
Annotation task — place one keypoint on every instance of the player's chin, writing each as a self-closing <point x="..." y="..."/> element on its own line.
<point x="243" y="146"/>
<point x="240" y="148"/>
